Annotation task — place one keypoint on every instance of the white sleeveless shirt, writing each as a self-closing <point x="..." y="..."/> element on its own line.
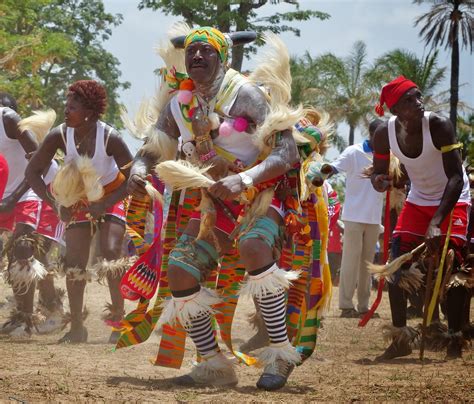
<point x="426" y="172"/>
<point x="104" y="164"/>
<point x="15" y="156"/>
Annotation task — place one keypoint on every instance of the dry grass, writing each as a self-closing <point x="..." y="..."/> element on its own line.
<point x="341" y="370"/>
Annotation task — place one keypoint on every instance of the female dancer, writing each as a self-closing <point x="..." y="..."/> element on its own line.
<point x="83" y="134"/>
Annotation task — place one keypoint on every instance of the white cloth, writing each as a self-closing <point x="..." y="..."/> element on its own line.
<point x="360" y="240"/>
<point x="426" y="172"/>
<point x="363" y="204"/>
<point x="104" y="164"/>
<point x="15" y="156"/>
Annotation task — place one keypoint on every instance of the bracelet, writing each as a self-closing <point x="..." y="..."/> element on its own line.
<point x="382" y="156"/>
<point x="208" y="156"/>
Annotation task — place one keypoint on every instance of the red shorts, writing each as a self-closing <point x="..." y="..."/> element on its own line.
<point x="38" y="215"/>
<point x="117" y="210"/>
<point x="414" y="219"/>
<point x="26" y="212"/>
<point x="224" y="223"/>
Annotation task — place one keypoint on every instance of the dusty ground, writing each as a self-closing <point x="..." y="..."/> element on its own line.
<point x="341" y="370"/>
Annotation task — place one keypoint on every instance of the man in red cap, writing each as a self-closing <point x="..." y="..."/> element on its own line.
<point x="425" y="144"/>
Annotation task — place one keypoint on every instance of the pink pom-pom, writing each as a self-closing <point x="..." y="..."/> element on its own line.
<point x="240" y="124"/>
<point x="225" y="129"/>
<point x="185" y="96"/>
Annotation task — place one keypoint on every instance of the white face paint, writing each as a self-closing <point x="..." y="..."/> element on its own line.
<point x="189" y="151"/>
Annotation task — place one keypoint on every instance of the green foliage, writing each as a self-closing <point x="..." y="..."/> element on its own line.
<point x="46" y="45"/>
<point x="466" y="136"/>
<point x="345" y="87"/>
<point x="424" y="72"/>
<point x="234" y="15"/>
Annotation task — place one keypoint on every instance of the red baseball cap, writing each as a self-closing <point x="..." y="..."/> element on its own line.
<point x="392" y="92"/>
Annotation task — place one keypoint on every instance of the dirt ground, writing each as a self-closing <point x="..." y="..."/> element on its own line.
<point x="341" y="370"/>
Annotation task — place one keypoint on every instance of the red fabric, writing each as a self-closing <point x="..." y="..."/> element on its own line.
<point x="392" y="92"/>
<point x="49" y="224"/>
<point x="26" y="212"/>
<point x="117" y="210"/>
<point x="3" y="175"/>
<point x="223" y="222"/>
<point x="414" y="220"/>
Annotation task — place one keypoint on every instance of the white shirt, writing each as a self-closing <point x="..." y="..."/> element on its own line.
<point x="363" y="204"/>
<point x="15" y="156"/>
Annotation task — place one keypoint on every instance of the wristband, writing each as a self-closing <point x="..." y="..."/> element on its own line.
<point x="207" y="156"/>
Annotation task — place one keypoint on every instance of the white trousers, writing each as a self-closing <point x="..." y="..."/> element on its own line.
<point x="360" y="240"/>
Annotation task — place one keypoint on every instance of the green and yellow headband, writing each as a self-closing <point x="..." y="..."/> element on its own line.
<point x="213" y="37"/>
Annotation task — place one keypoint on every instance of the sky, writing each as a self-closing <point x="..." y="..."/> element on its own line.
<point x="383" y="25"/>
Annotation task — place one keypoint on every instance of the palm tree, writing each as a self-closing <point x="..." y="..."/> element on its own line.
<point x="424" y="72"/>
<point x="446" y="23"/>
<point x="345" y="87"/>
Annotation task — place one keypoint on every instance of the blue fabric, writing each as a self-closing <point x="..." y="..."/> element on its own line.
<point x="264" y="229"/>
<point x="366" y="146"/>
<point x="196" y="257"/>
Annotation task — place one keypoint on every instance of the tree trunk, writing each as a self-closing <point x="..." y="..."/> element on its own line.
<point x="454" y="91"/>
<point x="237" y="58"/>
<point x="351" y="134"/>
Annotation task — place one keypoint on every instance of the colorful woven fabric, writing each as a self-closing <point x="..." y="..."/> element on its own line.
<point x="213" y="37"/>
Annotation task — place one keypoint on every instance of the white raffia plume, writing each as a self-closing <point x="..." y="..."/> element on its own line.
<point x="145" y="117"/>
<point x="40" y="123"/>
<point x="218" y="368"/>
<point x="397" y="198"/>
<point x="22" y="275"/>
<point x="112" y="268"/>
<point x="284" y="351"/>
<point x="390" y="268"/>
<point x="184" y="310"/>
<point x="75" y="181"/>
<point x="159" y="145"/>
<point x="273" y="69"/>
<point x="153" y="192"/>
<point x="268" y="283"/>
<point x="279" y="118"/>
<point x="259" y="206"/>
<point x="181" y="174"/>
<point x="172" y="56"/>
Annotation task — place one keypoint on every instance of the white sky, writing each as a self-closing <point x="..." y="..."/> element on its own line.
<point x="382" y="24"/>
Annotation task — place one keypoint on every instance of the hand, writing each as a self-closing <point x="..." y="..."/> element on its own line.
<point x="317" y="173"/>
<point x="96" y="209"/>
<point x="382" y="182"/>
<point x="433" y="238"/>
<point x="220" y="168"/>
<point x="65" y="214"/>
<point x="136" y="186"/>
<point x="227" y="188"/>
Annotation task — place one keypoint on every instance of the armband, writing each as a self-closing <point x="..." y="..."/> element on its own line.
<point x="382" y="156"/>
<point x="450" y="147"/>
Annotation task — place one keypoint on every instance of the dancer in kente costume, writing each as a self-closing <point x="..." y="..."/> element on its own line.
<point x="221" y="121"/>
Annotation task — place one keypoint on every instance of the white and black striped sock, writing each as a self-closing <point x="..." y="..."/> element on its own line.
<point x="202" y="334"/>
<point x="273" y="309"/>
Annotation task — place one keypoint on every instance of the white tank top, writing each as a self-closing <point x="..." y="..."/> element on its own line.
<point x="15" y="156"/>
<point x="104" y="164"/>
<point x="426" y="172"/>
<point x="240" y="144"/>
